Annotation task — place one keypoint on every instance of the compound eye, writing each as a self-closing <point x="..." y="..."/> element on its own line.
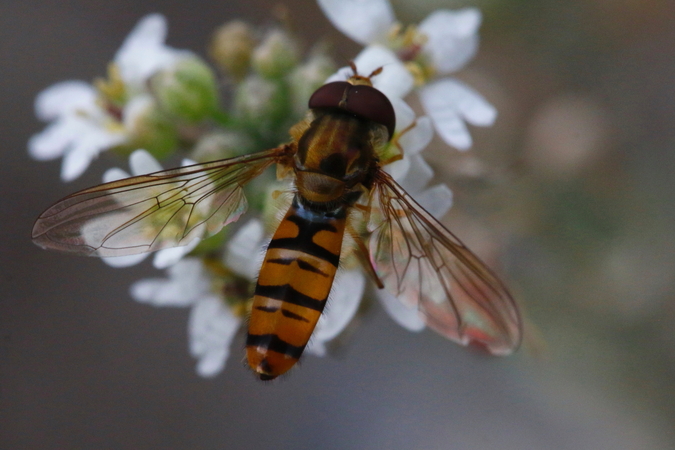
<point x="361" y="100"/>
<point x="329" y="95"/>
<point x="371" y="104"/>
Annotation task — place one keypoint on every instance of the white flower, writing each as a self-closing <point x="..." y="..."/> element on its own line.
<point x="79" y="131"/>
<point x="212" y="324"/>
<point x="140" y="163"/>
<point x="83" y="122"/>
<point x="442" y="43"/>
<point x="143" y="53"/>
<point x="366" y="22"/>
<point x="245" y="254"/>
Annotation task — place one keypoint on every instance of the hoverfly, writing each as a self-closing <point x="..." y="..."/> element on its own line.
<point x="339" y="185"/>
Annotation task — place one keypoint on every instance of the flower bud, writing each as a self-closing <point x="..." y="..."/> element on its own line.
<point x="261" y="104"/>
<point x="187" y="91"/>
<point x="231" y="48"/>
<point x="276" y="55"/>
<point x="221" y="145"/>
<point x="148" y="128"/>
<point x="307" y="78"/>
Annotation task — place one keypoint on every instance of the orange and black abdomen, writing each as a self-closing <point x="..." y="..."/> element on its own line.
<point x="293" y="287"/>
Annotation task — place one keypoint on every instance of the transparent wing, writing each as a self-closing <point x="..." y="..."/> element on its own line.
<point x="151" y="212"/>
<point x="426" y="266"/>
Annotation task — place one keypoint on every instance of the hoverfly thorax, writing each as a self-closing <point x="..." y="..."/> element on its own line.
<point x="334" y="155"/>
<point x="337" y="149"/>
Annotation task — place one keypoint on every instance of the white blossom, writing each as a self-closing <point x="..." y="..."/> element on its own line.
<point x="144" y="53"/>
<point x="83" y="122"/>
<point x="245" y="254"/>
<point x="212" y="323"/>
<point x="79" y="128"/>
<point x="441" y="44"/>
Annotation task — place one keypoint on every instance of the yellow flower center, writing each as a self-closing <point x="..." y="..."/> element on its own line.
<point x="408" y="43"/>
<point x="112" y="89"/>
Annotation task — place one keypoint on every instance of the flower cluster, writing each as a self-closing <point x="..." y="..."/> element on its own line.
<point x="157" y="101"/>
<point x="418" y="58"/>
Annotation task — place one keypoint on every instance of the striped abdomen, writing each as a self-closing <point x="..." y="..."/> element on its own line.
<point x="293" y="286"/>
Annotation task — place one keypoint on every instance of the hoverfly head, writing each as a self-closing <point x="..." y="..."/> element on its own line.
<point x="357" y="96"/>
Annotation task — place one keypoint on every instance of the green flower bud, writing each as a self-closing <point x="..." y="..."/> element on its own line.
<point x="261" y="106"/>
<point x="307" y="78"/>
<point x="221" y="145"/>
<point x="187" y="91"/>
<point x="231" y="48"/>
<point x="149" y="128"/>
<point x="276" y="55"/>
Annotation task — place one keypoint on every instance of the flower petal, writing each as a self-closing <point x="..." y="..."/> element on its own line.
<point x="244" y="250"/>
<point x="405" y="115"/>
<point x="64" y="98"/>
<point x="413" y="141"/>
<point x="398" y="169"/>
<point x="365" y="21"/>
<point x="142" y="162"/>
<point x="452" y="129"/>
<point x="344" y="302"/>
<point x="452" y="38"/>
<point x="187" y="282"/>
<point x="418" y="175"/>
<point x="170" y="256"/>
<point x="436" y="200"/>
<point x="143" y="52"/>
<point x="212" y="362"/>
<point x="211" y="328"/>
<point x="114" y="174"/>
<point x="451" y="93"/>
<point x="76" y="161"/>
<point x="161" y="292"/>
<point x="394" y="80"/>
<point x="342" y="74"/>
<point x="448" y="102"/>
<point x="134" y="111"/>
<point x="124" y="261"/>
<point x="53" y="141"/>
<point x="85" y="149"/>
<point x="417" y="138"/>
<point x="407" y="317"/>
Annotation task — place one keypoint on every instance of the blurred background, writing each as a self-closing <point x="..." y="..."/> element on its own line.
<point x="569" y="195"/>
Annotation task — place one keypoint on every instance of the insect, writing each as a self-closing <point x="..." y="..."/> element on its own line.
<point x="339" y="186"/>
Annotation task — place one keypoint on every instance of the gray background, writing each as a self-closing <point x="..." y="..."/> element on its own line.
<point x="84" y="366"/>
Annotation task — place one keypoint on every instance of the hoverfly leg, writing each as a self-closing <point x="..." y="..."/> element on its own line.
<point x="392" y="156"/>
<point x="362" y="254"/>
